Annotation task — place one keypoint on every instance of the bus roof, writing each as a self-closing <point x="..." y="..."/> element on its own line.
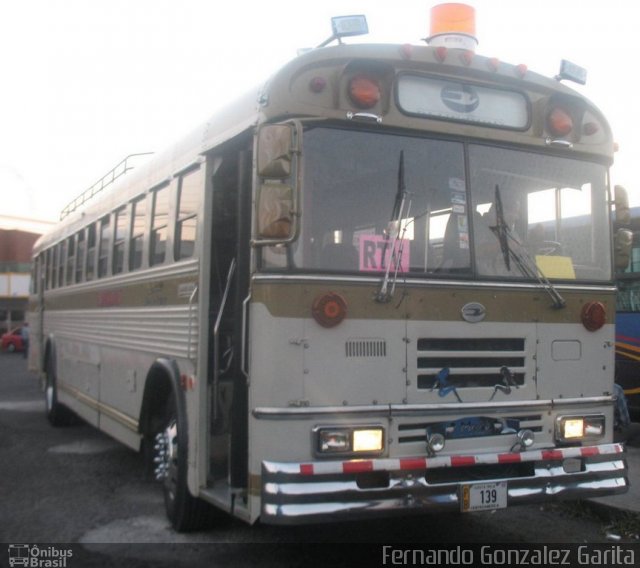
<point x="316" y="85"/>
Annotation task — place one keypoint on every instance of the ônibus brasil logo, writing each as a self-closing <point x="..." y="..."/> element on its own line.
<point x="38" y="556"/>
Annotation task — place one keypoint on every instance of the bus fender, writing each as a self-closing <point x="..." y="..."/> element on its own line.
<point x="162" y="380"/>
<point x="48" y="353"/>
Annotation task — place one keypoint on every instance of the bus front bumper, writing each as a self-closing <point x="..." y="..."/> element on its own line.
<point x="356" y="489"/>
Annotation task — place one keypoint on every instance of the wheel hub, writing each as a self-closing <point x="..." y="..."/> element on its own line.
<point x="166" y="456"/>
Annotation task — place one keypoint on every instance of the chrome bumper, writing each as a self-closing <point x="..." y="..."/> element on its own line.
<point x="342" y="490"/>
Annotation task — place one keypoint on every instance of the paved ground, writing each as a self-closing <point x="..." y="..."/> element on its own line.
<point x="629" y="501"/>
<point x="75" y="485"/>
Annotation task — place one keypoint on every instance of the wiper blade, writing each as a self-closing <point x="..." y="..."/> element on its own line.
<point x="392" y="234"/>
<point x="527" y="265"/>
<point x="501" y="229"/>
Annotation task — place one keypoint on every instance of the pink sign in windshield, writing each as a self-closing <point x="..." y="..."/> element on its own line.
<point x="375" y="254"/>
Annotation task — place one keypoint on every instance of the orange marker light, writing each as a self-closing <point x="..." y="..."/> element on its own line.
<point x="559" y="122"/>
<point x="364" y="91"/>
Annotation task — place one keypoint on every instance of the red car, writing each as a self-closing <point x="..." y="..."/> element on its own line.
<point x="12" y="340"/>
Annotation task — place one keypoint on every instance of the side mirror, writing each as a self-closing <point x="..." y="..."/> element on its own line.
<point x="622" y="248"/>
<point x="275" y="143"/>
<point x="623" y="215"/>
<point x="276" y="194"/>
<point x="275" y="211"/>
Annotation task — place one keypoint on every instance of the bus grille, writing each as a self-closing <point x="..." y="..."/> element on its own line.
<point x="469" y="427"/>
<point x="366" y="348"/>
<point x="473" y="362"/>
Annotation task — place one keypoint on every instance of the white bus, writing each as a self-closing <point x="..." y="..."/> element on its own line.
<point x="383" y="284"/>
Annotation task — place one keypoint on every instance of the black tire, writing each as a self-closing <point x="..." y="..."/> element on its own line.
<point x="186" y="512"/>
<point x="57" y="414"/>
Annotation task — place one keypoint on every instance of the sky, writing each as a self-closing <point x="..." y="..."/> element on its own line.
<point x="87" y="82"/>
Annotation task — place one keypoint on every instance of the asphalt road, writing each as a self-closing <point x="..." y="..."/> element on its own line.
<point x="75" y="487"/>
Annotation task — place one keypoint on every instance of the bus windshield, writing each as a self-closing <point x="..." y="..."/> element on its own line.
<point x="554" y="210"/>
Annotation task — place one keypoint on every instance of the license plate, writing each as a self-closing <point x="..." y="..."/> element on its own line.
<point x="483" y="496"/>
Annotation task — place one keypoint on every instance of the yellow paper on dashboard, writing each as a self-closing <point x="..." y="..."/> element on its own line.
<point x="556" y="267"/>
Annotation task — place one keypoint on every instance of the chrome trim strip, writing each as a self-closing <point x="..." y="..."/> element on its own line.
<point x="420" y="283"/>
<point x="276" y="413"/>
<point x="100" y="407"/>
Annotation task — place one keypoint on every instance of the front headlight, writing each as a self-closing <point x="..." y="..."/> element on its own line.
<point x="578" y="428"/>
<point x="346" y="440"/>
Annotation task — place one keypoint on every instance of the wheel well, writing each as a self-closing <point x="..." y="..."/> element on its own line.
<point x="158" y="388"/>
<point x="48" y="354"/>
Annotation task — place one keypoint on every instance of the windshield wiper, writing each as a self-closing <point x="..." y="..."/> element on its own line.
<point x="522" y="259"/>
<point x="392" y="234"/>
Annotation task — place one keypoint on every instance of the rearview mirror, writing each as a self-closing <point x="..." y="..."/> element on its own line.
<point x="275" y="151"/>
<point x="622" y="248"/>
<point x="623" y="215"/>
<point x="275" y="211"/>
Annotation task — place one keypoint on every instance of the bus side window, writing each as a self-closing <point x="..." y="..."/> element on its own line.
<point x="48" y="265"/>
<point x="120" y="227"/>
<point x="71" y="259"/>
<point x="159" y="226"/>
<point x="91" y="252"/>
<point x="80" y="250"/>
<point x="62" y="248"/>
<point x="103" y="251"/>
<point x="189" y="199"/>
<point x="139" y="222"/>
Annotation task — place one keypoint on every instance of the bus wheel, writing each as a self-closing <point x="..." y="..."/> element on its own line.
<point x="57" y="414"/>
<point x="186" y="513"/>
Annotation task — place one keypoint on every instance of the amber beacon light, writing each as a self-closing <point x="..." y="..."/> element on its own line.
<point x="453" y="25"/>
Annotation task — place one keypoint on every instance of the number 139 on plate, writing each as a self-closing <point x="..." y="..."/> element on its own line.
<point x="483" y="496"/>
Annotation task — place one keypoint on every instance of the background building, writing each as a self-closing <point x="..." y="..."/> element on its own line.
<point x="17" y="236"/>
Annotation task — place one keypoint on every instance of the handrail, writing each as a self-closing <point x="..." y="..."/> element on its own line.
<point x="105" y="181"/>
<point x="216" y="338"/>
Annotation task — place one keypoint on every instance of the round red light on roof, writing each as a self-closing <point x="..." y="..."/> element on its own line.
<point x="364" y="91"/>
<point x="329" y="309"/>
<point x="594" y="315"/>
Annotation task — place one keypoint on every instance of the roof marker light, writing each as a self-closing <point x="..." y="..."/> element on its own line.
<point x="493" y="63"/>
<point x="441" y="53"/>
<point x="467" y="57"/>
<point x="521" y="70"/>
<point x="406" y="51"/>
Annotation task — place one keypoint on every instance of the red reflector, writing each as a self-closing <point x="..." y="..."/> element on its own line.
<point x="357" y="466"/>
<point x="364" y="91"/>
<point x="329" y="309"/>
<point x="559" y="122"/>
<point x="594" y="315"/>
